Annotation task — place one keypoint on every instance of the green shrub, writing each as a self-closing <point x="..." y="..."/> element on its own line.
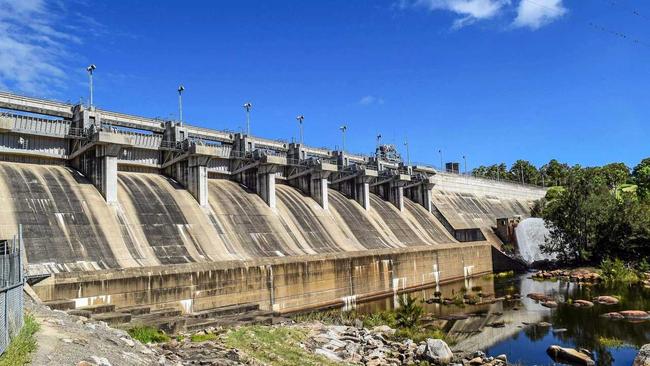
<point x="380" y="318"/>
<point x="616" y="271"/>
<point x="409" y="312"/>
<point x="148" y="334"/>
<point x="18" y="351"/>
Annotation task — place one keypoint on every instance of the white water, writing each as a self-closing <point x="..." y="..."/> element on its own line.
<point x="531" y="233"/>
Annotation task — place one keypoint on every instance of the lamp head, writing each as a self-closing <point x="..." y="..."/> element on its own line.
<point x="91" y="68"/>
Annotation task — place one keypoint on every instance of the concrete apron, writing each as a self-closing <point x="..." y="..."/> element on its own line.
<point x="283" y="284"/>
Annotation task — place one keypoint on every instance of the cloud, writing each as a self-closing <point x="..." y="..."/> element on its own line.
<point x="469" y="11"/>
<point x="534" y="14"/>
<point x="370" y="99"/>
<point x="33" y="47"/>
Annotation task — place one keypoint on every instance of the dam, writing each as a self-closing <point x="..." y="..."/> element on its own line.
<point x="132" y="211"/>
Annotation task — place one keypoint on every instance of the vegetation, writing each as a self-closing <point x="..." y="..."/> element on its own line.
<point x="147" y="334"/>
<point x="409" y="312"/>
<point x="203" y="337"/>
<point x="21" y="346"/>
<point x="274" y="346"/>
<point x="617" y="271"/>
<point x="613" y="343"/>
<point x="599" y="213"/>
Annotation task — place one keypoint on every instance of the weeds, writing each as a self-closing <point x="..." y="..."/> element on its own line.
<point x="147" y="334"/>
<point x="21" y="346"/>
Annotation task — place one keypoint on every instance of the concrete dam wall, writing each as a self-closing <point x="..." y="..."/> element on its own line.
<point x="69" y="227"/>
<point x="131" y="210"/>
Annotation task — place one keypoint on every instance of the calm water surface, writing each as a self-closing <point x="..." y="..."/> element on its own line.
<point x="527" y="344"/>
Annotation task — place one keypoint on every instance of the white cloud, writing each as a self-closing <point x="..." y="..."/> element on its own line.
<point x="32" y="46"/>
<point x="535" y="13"/>
<point x="371" y="99"/>
<point x="469" y="10"/>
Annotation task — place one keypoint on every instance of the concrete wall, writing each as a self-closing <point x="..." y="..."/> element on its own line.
<point x="467" y="202"/>
<point x="69" y="227"/>
<point x="281" y="284"/>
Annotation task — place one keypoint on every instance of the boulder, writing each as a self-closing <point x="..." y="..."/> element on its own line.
<point x="612" y="315"/>
<point x="634" y="314"/>
<point x="537" y="296"/>
<point x="643" y="357"/>
<point x="583" y="303"/>
<point x="437" y="352"/>
<point x="549" y="304"/>
<point x="606" y="300"/>
<point x="569" y="355"/>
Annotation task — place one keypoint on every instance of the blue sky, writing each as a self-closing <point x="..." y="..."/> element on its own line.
<point x="494" y="80"/>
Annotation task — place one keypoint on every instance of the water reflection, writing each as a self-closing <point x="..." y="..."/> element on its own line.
<point x="521" y="333"/>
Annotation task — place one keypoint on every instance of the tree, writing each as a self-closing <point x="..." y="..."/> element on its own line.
<point x="555" y="173"/>
<point x="641" y="176"/>
<point x="615" y="174"/>
<point x="524" y="172"/>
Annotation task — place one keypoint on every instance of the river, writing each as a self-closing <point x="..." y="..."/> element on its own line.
<point x="521" y="338"/>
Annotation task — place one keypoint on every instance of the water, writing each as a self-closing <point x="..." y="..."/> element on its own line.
<point x="527" y="344"/>
<point x="531" y="233"/>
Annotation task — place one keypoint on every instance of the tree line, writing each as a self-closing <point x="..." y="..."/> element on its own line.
<point x="597" y="213"/>
<point x="550" y="174"/>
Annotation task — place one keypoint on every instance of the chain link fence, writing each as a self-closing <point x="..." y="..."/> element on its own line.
<point x="11" y="290"/>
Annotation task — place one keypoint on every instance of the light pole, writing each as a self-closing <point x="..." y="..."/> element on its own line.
<point x="440" y="152"/>
<point x="180" y="103"/>
<point x="343" y="129"/>
<point x="465" y="160"/>
<point x="378" y="151"/>
<point x="300" y="118"/>
<point x="248" y="106"/>
<point x="408" y="155"/>
<point x="90" y="70"/>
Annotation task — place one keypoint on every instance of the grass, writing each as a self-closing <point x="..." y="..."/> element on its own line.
<point x="274" y="346"/>
<point x="203" y="337"/>
<point x="613" y="343"/>
<point x="22" y="345"/>
<point x="147" y="334"/>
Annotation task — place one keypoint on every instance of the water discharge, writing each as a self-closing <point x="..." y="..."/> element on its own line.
<point x="531" y="234"/>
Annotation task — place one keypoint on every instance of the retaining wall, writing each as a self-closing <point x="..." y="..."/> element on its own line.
<point x="281" y="284"/>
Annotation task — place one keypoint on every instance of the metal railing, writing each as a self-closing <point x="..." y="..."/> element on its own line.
<point x="11" y="289"/>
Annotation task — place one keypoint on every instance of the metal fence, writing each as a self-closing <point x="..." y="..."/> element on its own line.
<point x="11" y="291"/>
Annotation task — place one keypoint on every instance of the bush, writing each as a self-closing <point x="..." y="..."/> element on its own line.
<point x="147" y="334"/>
<point x="18" y="352"/>
<point x="616" y="271"/>
<point x="409" y="312"/>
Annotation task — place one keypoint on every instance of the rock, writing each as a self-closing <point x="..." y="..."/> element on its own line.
<point x="85" y="363"/>
<point x="66" y="340"/>
<point x="385" y="329"/>
<point x="128" y="342"/>
<point x="537" y="296"/>
<point x="570" y="355"/>
<point x="328" y="354"/>
<point x="643" y="357"/>
<point x="498" y="324"/>
<point x="502" y="357"/>
<point x="544" y="324"/>
<point x="549" y="304"/>
<point x="476" y="361"/>
<point x="583" y="303"/>
<point x="100" y="361"/>
<point x="634" y="314"/>
<point x="606" y="300"/>
<point x="612" y="315"/>
<point x="559" y="330"/>
<point x="437" y="351"/>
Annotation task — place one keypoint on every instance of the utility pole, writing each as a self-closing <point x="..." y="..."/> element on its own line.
<point x="180" y="103"/>
<point x="300" y="118"/>
<point x="343" y="128"/>
<point x="248" y="106"/>
<point x="90" y="70"/>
